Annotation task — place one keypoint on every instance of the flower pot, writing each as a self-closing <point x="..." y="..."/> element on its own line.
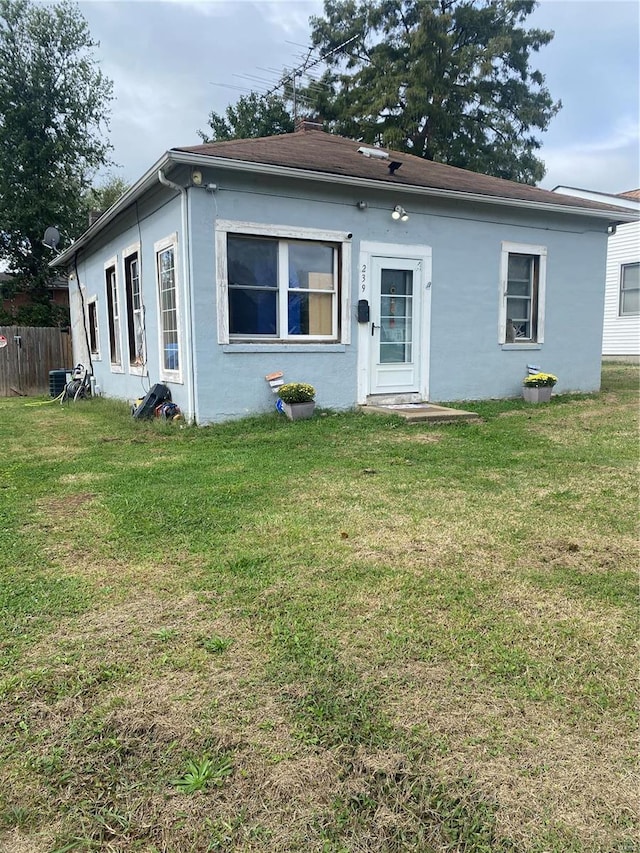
<point x="298" y="411"/>
<point x="537" y="395"/>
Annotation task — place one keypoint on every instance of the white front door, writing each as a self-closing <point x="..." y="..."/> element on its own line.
<point x="396" y="330"/>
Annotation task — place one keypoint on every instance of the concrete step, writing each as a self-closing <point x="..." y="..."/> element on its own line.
<point x="416" y="412"/>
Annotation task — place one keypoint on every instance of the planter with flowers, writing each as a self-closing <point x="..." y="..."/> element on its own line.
<point x="296" y="400"/>
<point x="537" y="387"/>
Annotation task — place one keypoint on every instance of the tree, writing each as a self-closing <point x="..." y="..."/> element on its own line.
<point x="448" y="80"/>
<point x="97" y="199"/>
<point x="54" y="105"/>
<point x="253" y="115"/>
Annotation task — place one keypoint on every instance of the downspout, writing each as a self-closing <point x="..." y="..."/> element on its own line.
<point x="186" y="277"/>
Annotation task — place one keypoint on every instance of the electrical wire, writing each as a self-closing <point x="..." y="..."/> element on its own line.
<point x="84" y="312"/>
<point x="145" y="349"/>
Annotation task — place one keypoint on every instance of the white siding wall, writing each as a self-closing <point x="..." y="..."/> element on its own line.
<point x="621" y="335"/>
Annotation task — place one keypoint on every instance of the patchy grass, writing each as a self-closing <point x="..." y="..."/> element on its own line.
<point x="343" y="634"/>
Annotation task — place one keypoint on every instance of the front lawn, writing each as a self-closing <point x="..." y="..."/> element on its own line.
<point x="344" y="634"/>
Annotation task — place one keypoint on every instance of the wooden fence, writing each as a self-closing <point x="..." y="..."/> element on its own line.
<point x="30" y="353"/>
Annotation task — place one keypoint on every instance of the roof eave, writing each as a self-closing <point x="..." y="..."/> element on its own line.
<point x="150" y="177"/>
<point x="184" y="157"/>
<point x="134" y="192"/>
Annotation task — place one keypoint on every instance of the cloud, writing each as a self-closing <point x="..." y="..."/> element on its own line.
<point x="626" y="132"/>
<point x="290" y="16"/>
<point x="609" y="162"/>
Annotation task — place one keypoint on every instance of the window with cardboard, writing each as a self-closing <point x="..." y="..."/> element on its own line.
<point x="522" y="294"/>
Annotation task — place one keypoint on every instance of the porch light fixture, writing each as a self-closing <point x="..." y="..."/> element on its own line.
<point x="400" y="213"/>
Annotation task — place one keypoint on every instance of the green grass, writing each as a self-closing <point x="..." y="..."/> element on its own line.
<point x="399" y="637"/>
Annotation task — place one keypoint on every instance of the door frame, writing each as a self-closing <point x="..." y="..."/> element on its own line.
<point x="411" y="252"/>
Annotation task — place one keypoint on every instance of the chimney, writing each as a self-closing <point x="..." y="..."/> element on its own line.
<point x="304" y="124"/>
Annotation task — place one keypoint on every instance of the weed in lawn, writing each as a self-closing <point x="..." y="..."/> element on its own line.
<point x="202" y="772"/>
<point x="215" y="645"/>
<point x="165" y="635"/>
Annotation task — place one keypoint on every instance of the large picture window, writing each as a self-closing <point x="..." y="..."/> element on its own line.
<point x="522" y="288"/>
<point x="282" y="286"/>
<point x="166" y="259"/>
<point x="629" y="289"/>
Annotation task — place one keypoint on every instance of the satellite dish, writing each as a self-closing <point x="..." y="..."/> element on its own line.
<point x="51" y="238"/>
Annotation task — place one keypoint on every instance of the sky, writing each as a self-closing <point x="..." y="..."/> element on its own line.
<point x="172" y="62"/>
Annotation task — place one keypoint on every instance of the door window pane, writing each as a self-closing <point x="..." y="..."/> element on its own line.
<point x="395" y="353"/>
<point x="396" y="282"/>
<point x="396" y="311"/>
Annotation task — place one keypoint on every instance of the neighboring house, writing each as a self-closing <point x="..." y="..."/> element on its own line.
<point x="371" y="274"/>
<point x="11" y="303"/>
<point x="621" y="330"/>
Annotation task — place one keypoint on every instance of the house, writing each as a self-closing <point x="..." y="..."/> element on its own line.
<point x="14" y="304"/>
<point x="372" y="274"/>
<point x="621" y="331"/>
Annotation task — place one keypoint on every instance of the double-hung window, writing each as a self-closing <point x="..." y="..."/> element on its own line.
<point x="113" y="311"/>
<point x="167" y="280"/>
<point x="135" y="317"/>
<point x="629" y="289"/>
<point x="284" y="286"/>
<point x="522" y="294"/>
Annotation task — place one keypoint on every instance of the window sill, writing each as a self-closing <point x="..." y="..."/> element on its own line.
<point x="117" y="368"/>
<point x="520" y="346"/>
<point x="284" y="347"/>
<point x="171" y="378"/>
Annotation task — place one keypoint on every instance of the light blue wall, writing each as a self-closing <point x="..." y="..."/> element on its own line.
<point x="466" y="361"/>
<point x="154" y="220"/>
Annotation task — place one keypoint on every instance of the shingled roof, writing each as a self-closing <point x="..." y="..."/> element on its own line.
<point x="312" y="153"/>
<point x="313" y="150"/>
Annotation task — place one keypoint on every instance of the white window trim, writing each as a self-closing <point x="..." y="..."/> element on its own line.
<point x="167" y="243"/>
<point x="135" y="369"/>
<point x="95" y="356"/>
<point x="521" y="249"/>
<point x="621" y="314"/>
<point x="114" y="366"/>
<point x="284" y="232"/>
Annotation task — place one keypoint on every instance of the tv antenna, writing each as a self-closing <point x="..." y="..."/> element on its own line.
<point x="310" y="61"/>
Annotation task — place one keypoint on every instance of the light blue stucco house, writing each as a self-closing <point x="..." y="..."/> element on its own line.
<point x="371" y="274"/>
